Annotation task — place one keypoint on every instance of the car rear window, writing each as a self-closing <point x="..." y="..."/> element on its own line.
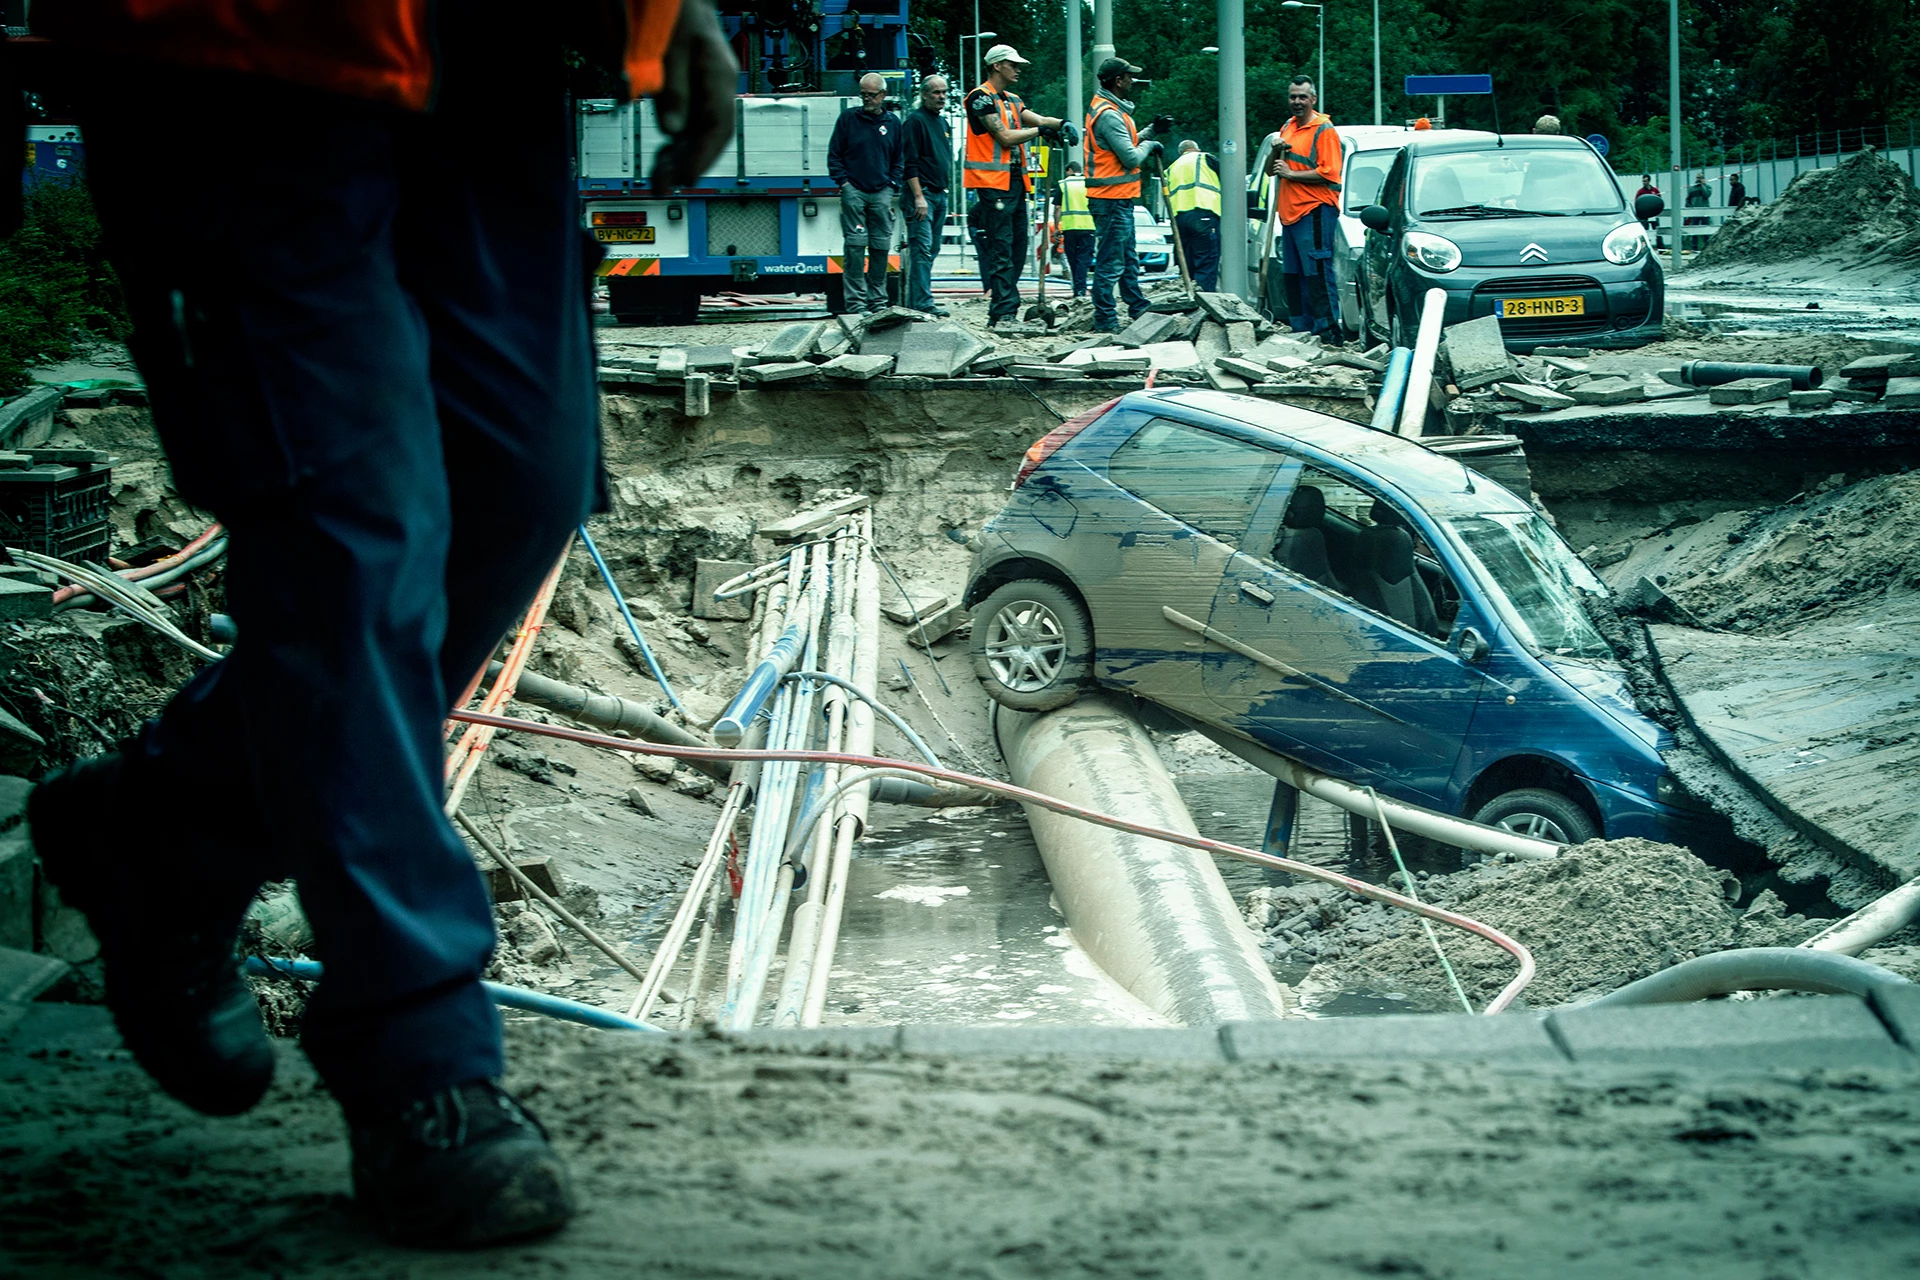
<point x="1365" y="172"/>
<point x="1208" y="481"/>
<point x="1513" y="180"/>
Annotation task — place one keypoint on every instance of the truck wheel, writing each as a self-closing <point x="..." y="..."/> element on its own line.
<point x="1032" y="645"/>
<point x="1542" y="814"/>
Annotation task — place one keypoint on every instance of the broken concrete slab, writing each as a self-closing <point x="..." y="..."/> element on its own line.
<point x="1252" y="370"/>
<point x="1565" y="365"/>
<point x="1226" y="308"/>
<point x="673" y="362"/>
<point x="1855" y="395"/>
<point x="1132" y="364"/>
<point x="820" y="517"/>
<point x="857" y="368"/>
<point x="930" y="629"/>
<point x="709" y="575"/>
<point x="1570" y="353"/>
<point x="1533" y="395"/>
<point x="504" y="888"/>
<point x="1150" y="328"/>
<point x="1211" y="342"/>
<point x="834" y="340"/>
<point x="789" y="371"/>
<point x="899" y="612"/>
<point x="893" y="317"/>
<point x="22" y="600"/>
<point x="712" y="359"/>
<point x="697" y="395"/>
<point x="1172" y="357"/>
<point x="792" y="342"/>
<point x="1477" y="353"/>
<point x="1750" y="391"/>
<point x="1049" y="372"/>
<point x="1902" y="393"/>
<point x="1220" y="380"/>
<point x="1351" y="360"/>
<point x="1878" y="368"/>
<point x="1608" y="391"/>
<point x="1807" y="401"/>
<point x="1241" y="337"/>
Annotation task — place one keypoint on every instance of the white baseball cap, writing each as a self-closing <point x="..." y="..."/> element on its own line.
<point x="1003" y="53"/>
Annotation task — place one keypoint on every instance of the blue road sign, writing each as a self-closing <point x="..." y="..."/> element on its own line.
<point x="1419" y="85"/>
<point x="1598" y="141"/>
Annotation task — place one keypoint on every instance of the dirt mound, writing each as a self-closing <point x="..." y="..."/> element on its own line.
<point x="1844" y="549"/>
<point x="1599" y="916"/>
<point x="1865" y="210"/>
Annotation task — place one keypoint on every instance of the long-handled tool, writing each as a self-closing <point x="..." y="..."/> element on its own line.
<point x="1180" y="256"/>
<point x="1266" y="243"/>
<point x="1042" y="310"/>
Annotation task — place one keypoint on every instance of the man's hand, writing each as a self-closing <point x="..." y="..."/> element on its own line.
<point x="695" y="103"/>
<point x="919" y="207"/>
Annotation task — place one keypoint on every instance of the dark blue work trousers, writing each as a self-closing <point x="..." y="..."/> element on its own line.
<point x="1307" y="274"/>
<point x="367" y="342"/>
<point x="1116" y="261"/>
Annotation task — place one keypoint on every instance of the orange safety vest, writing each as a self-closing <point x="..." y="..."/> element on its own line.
<point x="378" y="50"/>
<point x="1107" y="178"/>
<point x="990" y="166"/>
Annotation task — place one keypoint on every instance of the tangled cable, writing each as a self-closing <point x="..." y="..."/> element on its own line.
<point x="881" y="764"/>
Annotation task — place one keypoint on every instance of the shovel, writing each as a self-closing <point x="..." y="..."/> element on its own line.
<point x="1042" y="310"/>
<point x="1266" y="244"/>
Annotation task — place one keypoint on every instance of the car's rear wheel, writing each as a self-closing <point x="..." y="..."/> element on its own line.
<point x="1032" y="645"/>
<point x="1542" y="814"/>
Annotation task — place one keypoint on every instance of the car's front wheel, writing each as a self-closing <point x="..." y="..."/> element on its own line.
<point x="1032" y="645"/>
<point x="1542" y="814"/>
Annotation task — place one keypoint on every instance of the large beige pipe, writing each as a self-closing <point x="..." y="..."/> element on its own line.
<point x="1155" y="916"/>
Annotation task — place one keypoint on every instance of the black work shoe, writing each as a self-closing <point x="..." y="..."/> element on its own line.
<point x="173" y="978"/>
<point x="467" y="1166"/>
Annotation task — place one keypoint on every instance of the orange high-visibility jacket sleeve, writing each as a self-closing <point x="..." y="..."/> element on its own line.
<point x="650" y="25"/>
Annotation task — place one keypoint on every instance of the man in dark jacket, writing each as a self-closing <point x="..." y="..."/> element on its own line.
<point x="865" y="157"/>
<point x="929" y="166"/>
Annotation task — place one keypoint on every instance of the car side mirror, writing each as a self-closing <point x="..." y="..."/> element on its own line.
<point x="1473" y="646"/>
<point x="1376" y="217"/>
<point x="1648" y="207"/>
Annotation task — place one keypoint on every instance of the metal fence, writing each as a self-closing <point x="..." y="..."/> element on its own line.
<point x="1765" y="168"/>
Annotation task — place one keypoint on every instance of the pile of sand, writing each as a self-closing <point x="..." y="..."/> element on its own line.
<point x="1596" y="918"/>
<point x="1863" y="211"/>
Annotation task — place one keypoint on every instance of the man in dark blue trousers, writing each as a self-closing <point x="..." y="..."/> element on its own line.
<point x="366" y="337"/>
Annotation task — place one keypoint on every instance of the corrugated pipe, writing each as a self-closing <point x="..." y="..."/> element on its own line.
<point x="612" y="713"/>
<point x="507" y="997"/>
<point x="1393" y="388"/>
<point x="1755" y="969"/>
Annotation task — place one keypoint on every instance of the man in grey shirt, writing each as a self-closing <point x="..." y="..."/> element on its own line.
<point x="865" y="157"/>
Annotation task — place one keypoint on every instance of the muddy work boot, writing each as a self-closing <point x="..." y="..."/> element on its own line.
<point x="173" y="978"/>
<point x="467" y="1166"/>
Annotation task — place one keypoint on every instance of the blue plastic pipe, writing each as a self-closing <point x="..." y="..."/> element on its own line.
<point x="507" y="997"/>
<point x="731" y="727"/>
<point x="1393" y="389"/>
<point x="646" y="651"/>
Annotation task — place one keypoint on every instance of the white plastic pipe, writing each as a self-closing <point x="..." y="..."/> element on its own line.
<point x="1413" y="410"/>
<point x="1878" y="920"/>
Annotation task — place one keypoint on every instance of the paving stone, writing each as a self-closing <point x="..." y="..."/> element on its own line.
<point x="709" y="574"/>
<point x="21" y="600"/>
<point x="1220" y="380"/>
<point x="1350" y="360"/>
<point x="930" y="351"/>
<point x="673" y="362"/>
<point x="1570" y="353"/>
<point x="1172" y="357"/>
<point x="1119" y="364"/>
<point x="1189" y="327"/>
<point x="1050" y="372"/>
<point x="614" y="376"/>
<point x="1902" y="393"/>
<point x="1565" y="365"/>
<point x="1533" y="395"/>
<point x="1151" y="327"/>
<point x="792" y="342"/>
<point x="1514" y="1037"/>
<point x="1476" y="353"/>
<point x="931" y="629"/>
<point x="783" y="372"/>
<point x="1658" y="390"/>
<point x="892" y="317"/>
<point x="711" y="359"/>
<point x="1899" y="364"/>
<point x="833" y="341"/>
<point x="697" y="396"/>
<point x="1240" y="337"/>
<point x="1211" y="342"/>
<point x="1181" y="1044"/>
<point x="860" y="368"/>
<point x="1251" y="370"/>
<point x="998" y="361"/>
<point x="1607" y="391"/>
<point x="1855" y="395"/>
<point x="1757" y="1035"/>
<point x="1226" y="308"/>
<point x="1803" y="401"/>
<point x="819" y="1041"/>
<point x="897" y="610"/>
<point x="1750" y="391"/>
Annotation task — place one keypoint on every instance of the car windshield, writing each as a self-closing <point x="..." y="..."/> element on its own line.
<point x="1512" y="180"/>
<point x="1365" y="172"/>
<point x="1535" y="579"/>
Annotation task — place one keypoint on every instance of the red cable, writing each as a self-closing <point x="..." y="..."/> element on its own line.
<point x="161" y="565"/>
<point x="1022" y="794"/>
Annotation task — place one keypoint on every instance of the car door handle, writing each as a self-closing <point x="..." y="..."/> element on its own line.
<point x="1253" y="592"/>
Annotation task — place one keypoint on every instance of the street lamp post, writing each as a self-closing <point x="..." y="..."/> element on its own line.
<point x="959" y="61"/>
<point x="1320" y="78"/>
<point x="1376" y="61"/>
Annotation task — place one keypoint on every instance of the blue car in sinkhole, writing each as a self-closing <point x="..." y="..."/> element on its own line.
<point x="1342" y="596"/>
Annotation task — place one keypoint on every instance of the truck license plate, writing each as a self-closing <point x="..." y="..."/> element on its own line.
<point x="1526" y="308"/>
<point x="639" y="235"/>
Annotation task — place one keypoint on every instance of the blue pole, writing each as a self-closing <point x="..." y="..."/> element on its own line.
<point x="510" y="997"/>
<point x="646" y="652"/>
<point x="731" y="727"/>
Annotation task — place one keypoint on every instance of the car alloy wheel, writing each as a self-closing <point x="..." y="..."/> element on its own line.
<point x="1541" y="814"/>
<point x="1025" y="645"/>
<point x="1032" y="645"/>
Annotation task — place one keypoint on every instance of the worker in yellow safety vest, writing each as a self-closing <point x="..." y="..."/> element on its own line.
<point x="1193" y="194"/>
<point x="1076" y="227"/>
<point x="999" y="125"/>
<point x="1116" y="151"/>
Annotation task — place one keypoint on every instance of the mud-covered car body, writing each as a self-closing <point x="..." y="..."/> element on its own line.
<point x="1172" y="515"/>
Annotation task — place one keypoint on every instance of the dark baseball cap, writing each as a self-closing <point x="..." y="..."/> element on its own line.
<point x="1115" y="66"/>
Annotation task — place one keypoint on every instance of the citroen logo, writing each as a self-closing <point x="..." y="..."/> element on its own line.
<point x="1533" y="253"/>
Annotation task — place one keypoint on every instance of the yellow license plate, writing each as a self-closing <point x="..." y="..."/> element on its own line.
<point x="639" y="235"/>
<point x="1526" y="308"/>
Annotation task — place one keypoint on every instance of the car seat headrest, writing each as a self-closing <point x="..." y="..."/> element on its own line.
<point x="1386" y="515"/>
<point x="1392" y="554"/>
<point x="1306" y="508"/>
